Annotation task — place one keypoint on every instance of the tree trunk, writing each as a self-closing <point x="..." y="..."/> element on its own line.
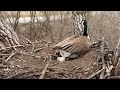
<point x="78" y="16"/>
<point x="7" y="33"/>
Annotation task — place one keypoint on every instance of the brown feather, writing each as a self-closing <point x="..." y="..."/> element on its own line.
<point x="66" y="42"/>
<point x="74" y="44"/>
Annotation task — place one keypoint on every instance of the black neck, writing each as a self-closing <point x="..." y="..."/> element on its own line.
<point x="85" y="31"/>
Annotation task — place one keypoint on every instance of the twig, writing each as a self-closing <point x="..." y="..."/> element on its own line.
<point x="116" y="54"/>
<point x="23" y="41"/>
<point x="26" y="39"/>
<point x="102" y="75"/>
<point x="76" y="68"/>
<point x="4" y="54"/>
<point x="11" y="47"/>
<point x="37" y="57"/>
<point x="54" y="64"/>
<point x="10" y="57"/>
<point x="109" y="69"/>
<point x="44" y="70"/>
<point x="95" y="74"/>
<point x="38" y="41"/>
<point x="3" y="66"/>
<point x="114" y="77"/>
<point x="19" y="58"/>
<point x="102" y="53"/>
<point x="59" y="68"/>
<point x="33" y="46"/>
<point x="38" y="50"/>
<point x="103" y="61"/>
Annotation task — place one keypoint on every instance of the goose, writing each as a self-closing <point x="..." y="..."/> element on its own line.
<point x="74" y="46"/>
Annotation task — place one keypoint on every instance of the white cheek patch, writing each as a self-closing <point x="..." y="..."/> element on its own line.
<point x="64" y="53"/>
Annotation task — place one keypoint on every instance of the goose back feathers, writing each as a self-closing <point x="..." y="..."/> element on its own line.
<point x="74" y="44"/>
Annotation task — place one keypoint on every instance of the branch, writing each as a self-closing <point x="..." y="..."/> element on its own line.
<point x="95" y="74"/>
<point x="33" y="47"/>
<point x="23" y="53"/>
<point x="116" y="53"/>
<point x="103" y="60"/>
<point x="37" y="50"/>
<point x="10" y="57"/>
<point x="44" y="70"/>
<point x="4" y="66"/>
<point x="114" y="77"/>
<point x="26" y="39"/>
<point x="11" y="47"/>
<point x="4" y="54"/>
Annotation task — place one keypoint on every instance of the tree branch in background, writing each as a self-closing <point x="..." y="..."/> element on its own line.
<point x="48" y="24"/>
<point x="17" y="21"/>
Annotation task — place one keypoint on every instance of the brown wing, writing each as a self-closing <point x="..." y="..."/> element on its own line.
<point x="79" y="45"/>
<point x="65" y="43"/>
<point x="76" y="45"/>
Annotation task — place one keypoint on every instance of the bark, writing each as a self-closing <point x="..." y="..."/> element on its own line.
<point x="7" y="33"/>
<point x="78" y="16"/>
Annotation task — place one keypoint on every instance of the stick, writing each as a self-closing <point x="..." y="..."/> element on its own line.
<point x="116" y="54"/>
<point x="54" y="64"/>
<point x="38" y="41"/>
<point x="37" y="57"/>
<point x="4" y="54"/>
<point x="95" y="74"/>
<point x="12" y="47"/>
<point x="109" y="69"/>
<point x="76" y="68"/>
<point x="102" y="53"/>
<point x="33" y="46"/>
<point x="26" y="39"/>
<point x="114" y="77"/>
<point x="23" y="41"/>
<point x="37" y="50"/>
<point x="44" y="70"/>
<point x="10" y="57"/>
<point x="103" y="61"/>
<point x="59" y="68"/>
<point x="3" y="66"/>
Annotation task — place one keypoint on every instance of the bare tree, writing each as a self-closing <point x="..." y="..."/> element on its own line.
<point x="17" y="21"/>
<point x="48" y="24"/>
<point x="32" y="26"/>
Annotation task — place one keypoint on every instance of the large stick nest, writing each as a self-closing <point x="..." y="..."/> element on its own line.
<point x="35" y="60"/>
